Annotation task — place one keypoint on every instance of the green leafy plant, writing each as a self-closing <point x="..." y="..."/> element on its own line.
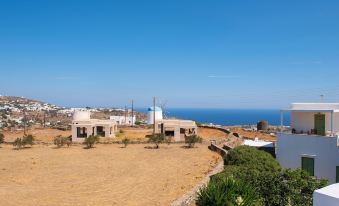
<point x="227" y="192"/>
<point x="274" y="185"/>
<point x="156" y="139"/>
<point x="192" y="140"/>
<point x="253" y="158"/>
<point x="91" y="140"/>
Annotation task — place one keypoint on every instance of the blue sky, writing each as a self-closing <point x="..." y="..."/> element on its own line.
<point x="189" y="53"/>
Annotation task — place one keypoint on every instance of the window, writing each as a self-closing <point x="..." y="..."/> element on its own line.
<point x="337" y="175"/>
<point x="307" y="164"/>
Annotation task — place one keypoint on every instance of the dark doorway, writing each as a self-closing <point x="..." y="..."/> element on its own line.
<point x="100" y="131"/>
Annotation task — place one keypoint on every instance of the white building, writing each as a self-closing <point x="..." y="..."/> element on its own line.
<point x="123" y="120"/>
<point x="328" y="196"/>
<point x="83" y="126"/>
<point x="154" y="112"/>
<point x="312" y="144"/>
<point x="176" y="128"/>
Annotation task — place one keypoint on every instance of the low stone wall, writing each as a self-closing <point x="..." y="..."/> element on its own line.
<point x="218" y="149"/>
<point x="189" y="197"/>
<point x="214" y="127"/>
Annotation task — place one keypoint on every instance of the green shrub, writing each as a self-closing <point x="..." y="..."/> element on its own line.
<point x="227" y="192"/>
<point x="156" y="139"/>
<point x="192" y="140"/>
<point x="60" y="141"/>
<point x="28" y="140"/>
<point x="18" y="143"/>
<point x="2" y="138"/>
<point x="125" y="141"/>
<point x="91" y="140"/>
<point x="168" y="140"/>
<point x="253" y="158"/>
<point x="275" y="186"/>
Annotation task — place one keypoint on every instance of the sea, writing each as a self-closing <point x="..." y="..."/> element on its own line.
<point x="228" y="117"/>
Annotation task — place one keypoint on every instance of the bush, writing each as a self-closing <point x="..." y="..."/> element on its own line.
<point x="28" y="140"/>
<point x="60" y="141"/>
<point x="125" y="141"/>
<point x="168" y="140"/>
<point x="18" y="143"/>
<point x="91" y="140"/>
<point x="227" y="191"/>
<point x="156" y="139"/>
<point x="274" y="185"/>
<point x="252" y="158"/>
<point x="2" y="138"/>
<point x="191" y="140"/>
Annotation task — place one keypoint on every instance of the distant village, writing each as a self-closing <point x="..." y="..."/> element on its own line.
<point x="16" y="113"/>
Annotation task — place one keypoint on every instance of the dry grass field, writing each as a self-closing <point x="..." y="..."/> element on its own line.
<point x="45" y="135"/>
<point x="254" y="134"/>
<point x="105" y="175"/>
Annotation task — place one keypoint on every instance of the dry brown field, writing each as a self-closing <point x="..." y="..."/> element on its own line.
<point x="45" y="135"/>
<point x="254" y="134"/>
<point x="104" y="175"/>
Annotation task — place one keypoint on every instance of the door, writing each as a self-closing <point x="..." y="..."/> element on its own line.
<point x="307" y="164"/>
<point x="319" y="124"/>
<point x="337" y="174"/>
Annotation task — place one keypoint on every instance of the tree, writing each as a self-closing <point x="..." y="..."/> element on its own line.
<point x="156" y="139"/>
<point x="227" y="192"/>
<point x="125" y="141"/>
<point x="2" y="138"/>
<point x="191" y="140"/>
<point x="91" y="140"/>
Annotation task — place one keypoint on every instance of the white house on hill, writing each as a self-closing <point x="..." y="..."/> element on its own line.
<point x="83" y="126"/>
<point x="123" y="120"/>
<point x="312" y="144"/>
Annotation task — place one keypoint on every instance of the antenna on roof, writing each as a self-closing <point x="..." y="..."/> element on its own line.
<point x="153" y="115"/>
<point x="132" y="111"/>
<point x="163" y="104"/>
<point x="322" y="98"/>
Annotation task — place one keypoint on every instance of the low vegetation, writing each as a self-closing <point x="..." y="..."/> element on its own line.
<point x="192" y="140"/>
<point x="156" y="139"/>
<point x="90" y="141"/>
<point x="227" y="191"/>
<point x="119" y="133"/>
<point x="2" y="138"/>
<point x="274" y="185"/>
<point x="60" y="141"/>
<point x="23" y="141"/>
<point x="125" y="141"/>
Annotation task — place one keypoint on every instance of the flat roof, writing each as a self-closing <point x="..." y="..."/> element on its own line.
<point x="313" y="107"/>
<point x="258" y="143"/>
<point x="331" y="190"/>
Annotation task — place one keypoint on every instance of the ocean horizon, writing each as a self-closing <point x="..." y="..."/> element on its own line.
<point x="226" y="117"/>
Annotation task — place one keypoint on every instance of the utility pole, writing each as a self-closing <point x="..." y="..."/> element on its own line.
<point x="44" y="119"/>
<point x="125" y="115"/>
<point x="132" y="112"/>
<point x="24" y="122"/>
<point x="322" y="98"/>
<point x="153" y="115"/>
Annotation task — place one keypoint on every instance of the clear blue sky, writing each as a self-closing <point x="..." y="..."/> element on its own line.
<point x="192" y="53"/>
